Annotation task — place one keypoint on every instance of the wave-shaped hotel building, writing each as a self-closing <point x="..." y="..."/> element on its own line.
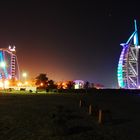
<point x="127" y="71"/>
<point x="9" y="68"/>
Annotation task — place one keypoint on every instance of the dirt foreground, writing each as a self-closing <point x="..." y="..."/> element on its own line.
<point x="59" y="117"/>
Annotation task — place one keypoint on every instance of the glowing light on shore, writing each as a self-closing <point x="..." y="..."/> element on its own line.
<point x="41" y="84"/>
<point x="19" y="84"/>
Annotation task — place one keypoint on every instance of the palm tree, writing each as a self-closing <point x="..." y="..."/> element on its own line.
<point x="70" y="85"/>
<point x="87" y="85"/>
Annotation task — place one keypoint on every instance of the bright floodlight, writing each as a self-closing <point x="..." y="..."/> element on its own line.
<point x="24" y="74"/>
<point x="2" y="64"/>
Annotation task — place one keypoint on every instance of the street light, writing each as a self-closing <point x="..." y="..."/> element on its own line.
<point x="24" y="75"/>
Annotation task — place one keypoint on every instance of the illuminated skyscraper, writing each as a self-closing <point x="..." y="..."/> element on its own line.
<point x="128" y="62"/>
<point x="9" y="68"/>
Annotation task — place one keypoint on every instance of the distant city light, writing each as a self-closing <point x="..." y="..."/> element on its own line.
<point x="41" y="84"/>
<point x="19" y="84"/>
<point x="26" y="83"/>
<point x="79" y="84"/>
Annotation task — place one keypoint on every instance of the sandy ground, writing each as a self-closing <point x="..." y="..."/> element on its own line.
<point x="59" y="117"/>
<point x="124" y="108"/>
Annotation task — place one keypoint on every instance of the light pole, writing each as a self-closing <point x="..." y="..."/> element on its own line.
<point x="24" y="74"/>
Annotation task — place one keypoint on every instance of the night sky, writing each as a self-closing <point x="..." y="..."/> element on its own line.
<point x="68" y="40"/>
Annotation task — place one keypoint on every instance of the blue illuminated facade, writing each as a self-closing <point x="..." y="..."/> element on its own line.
<point x="121" y="63"/>
<point x="9" y="68"/>
<point x="127" y="71"/>
<point x="3" y="73"/>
